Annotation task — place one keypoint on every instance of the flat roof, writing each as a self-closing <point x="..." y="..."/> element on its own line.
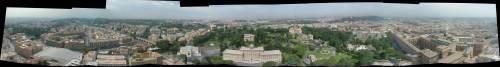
<point x="248" y="34"/>
<point x="455" y="56"/>
<point x="107" y="61"/>
<point x="411" y="46"/>
<point x="111" y="57"/>
<point x="429" y="53"/>
<point x="232" y="51"/>
<point x="257" y="48"/>
<point x="272" y="52"/>
<point x="383" y="63"/>
<point x="442" y="47"/>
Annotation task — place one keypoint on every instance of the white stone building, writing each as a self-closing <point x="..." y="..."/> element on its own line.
<point x="248" y="37"/>
<point x="189" y="51"/>
<point x="252" y="55"/>
<point x="295" y="29"/>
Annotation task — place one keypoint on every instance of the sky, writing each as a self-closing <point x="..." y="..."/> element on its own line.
<point x="144" y="9"/>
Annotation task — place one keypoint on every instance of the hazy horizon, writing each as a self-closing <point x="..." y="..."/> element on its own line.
<point x="142" y="9"/>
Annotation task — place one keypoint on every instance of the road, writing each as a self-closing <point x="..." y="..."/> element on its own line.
<point x="7" y="45"/>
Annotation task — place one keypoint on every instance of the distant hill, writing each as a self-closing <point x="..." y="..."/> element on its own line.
<point x="24" y="19"/>
<point x="293" y="21"/>
<point x="106" y="21"/>
<point x="360" y="18"/>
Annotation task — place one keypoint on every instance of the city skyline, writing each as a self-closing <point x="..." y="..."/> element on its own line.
<point x="138" y="32"/>
<point x="141" y="9"/>
<point x="351" y="41"/>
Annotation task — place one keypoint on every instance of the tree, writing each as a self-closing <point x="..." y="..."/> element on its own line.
<point x="292" y="59"/>
<point x="184" y="57"/>
<point x="29" y="31"/>
<point x="215" y="60"/>
<point x="335" y="38"/>
<point x="166" y="46"/>
<point x="339" y="59"/>
<point x="145" y="34"/>
<point x="347" y="62"/>
<point x="269" y="64"/>
<point x="229" y="62"/>
<point x="162" y="45"/>
<point x="43" y="62"/>
<point x="366" y="57"/>
<point x="85" y="49"/>
<point x="203" y="62"/>
<point x="300" y="50"/>
<point x="196" y="61"/>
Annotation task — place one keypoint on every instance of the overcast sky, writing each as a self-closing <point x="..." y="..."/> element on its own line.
<point x="140" y="9"/>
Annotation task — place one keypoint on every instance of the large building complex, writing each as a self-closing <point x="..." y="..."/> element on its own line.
<point x="294" y="41"/>
<point x="111" y="60"/>
<point x="145" y="58"/>
<point x="431" y="49"/>
<point x="456" y="57"/>
<point x="252" y="55"/>
<point x="404" y="45"/>
<point x="84" y="36"/>
<point x="428" y="56"/>
<point x="24" y="46"/>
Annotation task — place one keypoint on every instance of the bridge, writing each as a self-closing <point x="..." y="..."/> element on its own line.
<point x="145" y="41"/>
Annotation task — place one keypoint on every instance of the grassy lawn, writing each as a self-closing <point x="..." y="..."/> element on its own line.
<point x="323" y="53"/>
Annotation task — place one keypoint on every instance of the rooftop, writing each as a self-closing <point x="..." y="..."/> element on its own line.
<point x="455" y="56"/>
<point x="383" y="63"/>
<point x="232" y="52"/>
<point x="442" y="47"/>
<point x="90" y="55"/>
<point x="248" y="35"/>
<point x="172" y="62"/>
<point x="62" y="55"/>
<point x="111" y="57"/>
<point x="247" y="48"/>
<point x="272" y="52"/>
<point x="429" y="53"/>
<point x="107" y="61"/>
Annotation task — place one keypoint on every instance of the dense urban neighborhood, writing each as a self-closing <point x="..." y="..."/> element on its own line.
<point x="325" y="41"/>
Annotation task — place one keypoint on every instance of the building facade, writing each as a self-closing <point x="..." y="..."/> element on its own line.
<point x="252" y="55"/>
<point x="148" y="57"/>
<point x="24" y="46"/>
<point x="456" y="57"/>
<point x="189" y="51"/>
<point x="295" y="29"/>
<point x="425" y="43"/>
<point x="111" y="60"/>
<point x="428" y="56"/>
<point x="248" y="37"/>
<point x="89" y="57"/>
<point x="404" y="45"/>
